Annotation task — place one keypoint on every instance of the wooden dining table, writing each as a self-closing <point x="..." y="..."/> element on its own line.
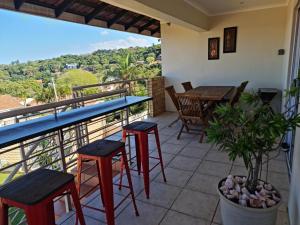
<point x="212" y="93"/>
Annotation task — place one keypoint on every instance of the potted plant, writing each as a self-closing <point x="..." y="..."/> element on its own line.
<point x="250" y="131"/>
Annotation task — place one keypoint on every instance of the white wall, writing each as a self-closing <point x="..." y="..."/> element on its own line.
<point x="260" y="35"/>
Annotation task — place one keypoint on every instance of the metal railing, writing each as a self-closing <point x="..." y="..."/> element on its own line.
<point x="57" y="150"/>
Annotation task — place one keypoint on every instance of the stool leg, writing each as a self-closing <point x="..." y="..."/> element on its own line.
<point x="138" y="155"/>
<point x="40" y="214"/>
<point x="79" y="170"/>
<point x="100" y="182"/>
<point x="144" y="151"/>
<point x="121" y="173"/>
<point x="159" y="153"/>
<point x="122" y="163"/>
<point x="124" y="156"/>
<point x="3" y="213"/>
<point x="107" y="186"/>
<point x="77" y="205"/>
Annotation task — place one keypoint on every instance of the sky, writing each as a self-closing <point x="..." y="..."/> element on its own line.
<point x="25" y="38"/>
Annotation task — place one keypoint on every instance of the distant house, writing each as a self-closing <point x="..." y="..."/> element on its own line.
<point x="71" y="66"/>
<point x="8" y="103"/>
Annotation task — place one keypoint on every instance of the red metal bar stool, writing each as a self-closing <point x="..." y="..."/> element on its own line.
<point x="34" y="193"/>
<point x="103" y="151"/>
<point x="141" y="130"/>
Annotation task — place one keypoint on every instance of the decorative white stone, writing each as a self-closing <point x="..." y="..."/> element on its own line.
<point x="244" y="197"/>
<point x="243" y="202"/>
<point x="245" y="191"/>
<point x="263" y="192"/>
<point x="270" y="202"/>
<point x="253" y="196"/>
<point x="275" y="198"/>
<point x="234" y="193"/>
<point x="237" y="188"/>
<point x="229" y="183"/>
<point x="264" y="205"/>
<point x="255" y="203"/>
<point x="238" y="180"/>
<point x="268" y="187"/>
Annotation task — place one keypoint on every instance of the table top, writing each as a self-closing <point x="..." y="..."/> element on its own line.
<point x="18" y="132"/>
<point x="212" y="93"/>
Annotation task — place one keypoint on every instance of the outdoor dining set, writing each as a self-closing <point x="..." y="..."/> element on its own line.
<point x="196" y="105"/>
<point x="36" y="191"/>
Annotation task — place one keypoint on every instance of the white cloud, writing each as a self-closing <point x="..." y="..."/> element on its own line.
<point x="104" y="33"/>
<point x="121" y="43"/>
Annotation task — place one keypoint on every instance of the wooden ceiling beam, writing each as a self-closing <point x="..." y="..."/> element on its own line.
<point x="157" y="30"/>
<point x="152" y="21"/>
<point x="116" y="18"/>
<point x="95" y="12"/>
<point x="18" y="4"/>
<point x="63" y="6"/>
<point x="134" y="21"/>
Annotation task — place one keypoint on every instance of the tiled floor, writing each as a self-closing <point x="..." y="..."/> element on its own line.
<point x="189" y="197"/>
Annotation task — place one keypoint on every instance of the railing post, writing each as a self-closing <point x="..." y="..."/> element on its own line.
<point x="60" y="142"/>
<point x="22" y="153"/>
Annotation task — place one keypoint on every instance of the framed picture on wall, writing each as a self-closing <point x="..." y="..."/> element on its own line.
<point x="213" y="48"/>
<point x="230" y="38"/>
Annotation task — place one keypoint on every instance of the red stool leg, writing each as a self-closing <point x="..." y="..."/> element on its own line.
<point x="107" y="186"/>
<point x="121" y="173"/>
<point x="79" y="170"/>
<point x="100" y="182"/>
<point x="138" y="155"/>
<point x="124" y="156"/>
<point x="77" y="205"/>
<point x="3" y="213"/>
<point x="144" y="151"/>
<point x="122" y="163"/>
<point x="40" y="214"/>
<point x="159" y="153"/>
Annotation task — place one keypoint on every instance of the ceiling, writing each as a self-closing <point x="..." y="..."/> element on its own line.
<point x="89" y="12"/>
<point x="219" y="7"/>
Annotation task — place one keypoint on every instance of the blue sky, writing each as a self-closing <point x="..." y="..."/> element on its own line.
<point x="25" y="37"/>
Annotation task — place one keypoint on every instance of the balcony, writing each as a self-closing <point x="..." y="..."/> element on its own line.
<point x="189" y="197"/>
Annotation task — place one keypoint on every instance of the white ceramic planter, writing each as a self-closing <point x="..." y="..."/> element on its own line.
<point x="235" y="214"/>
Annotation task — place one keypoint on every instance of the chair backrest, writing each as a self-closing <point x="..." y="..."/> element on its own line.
<point x="171" y="92"/>
<point x="235" y="97"/>
<point x="243" y="86"/>
<point x="187" y="86"/>
<point x="190" y="107"/>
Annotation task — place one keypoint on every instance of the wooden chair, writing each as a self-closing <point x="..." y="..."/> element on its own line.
<point x="193" y="110"/>
<point x="187" y="86"/>
<point x="235" y="97"/>
<point x="171" y="92"/>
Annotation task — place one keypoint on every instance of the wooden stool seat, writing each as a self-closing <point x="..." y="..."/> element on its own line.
<point x="35" y="186"/>
<point x="101" y="148"/>
<point x="140" y="126"/>
<point x="35" y="192"/>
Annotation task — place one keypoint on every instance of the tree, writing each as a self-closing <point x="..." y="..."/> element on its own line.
<point x="72" y="78"/>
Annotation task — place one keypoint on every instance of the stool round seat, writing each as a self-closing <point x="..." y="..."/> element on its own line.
<point x="101" y="148"/>
<point x="140" y="126"/>
<point x="35" y="186"/>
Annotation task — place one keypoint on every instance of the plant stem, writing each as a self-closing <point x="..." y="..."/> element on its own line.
<point x="252" y="181"/>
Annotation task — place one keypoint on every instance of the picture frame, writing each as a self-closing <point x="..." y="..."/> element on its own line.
<point x="214" y="48"/>
<point x="230" y="40"/>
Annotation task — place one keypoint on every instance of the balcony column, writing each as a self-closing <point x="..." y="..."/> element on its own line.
<point x="156" y="89"/>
